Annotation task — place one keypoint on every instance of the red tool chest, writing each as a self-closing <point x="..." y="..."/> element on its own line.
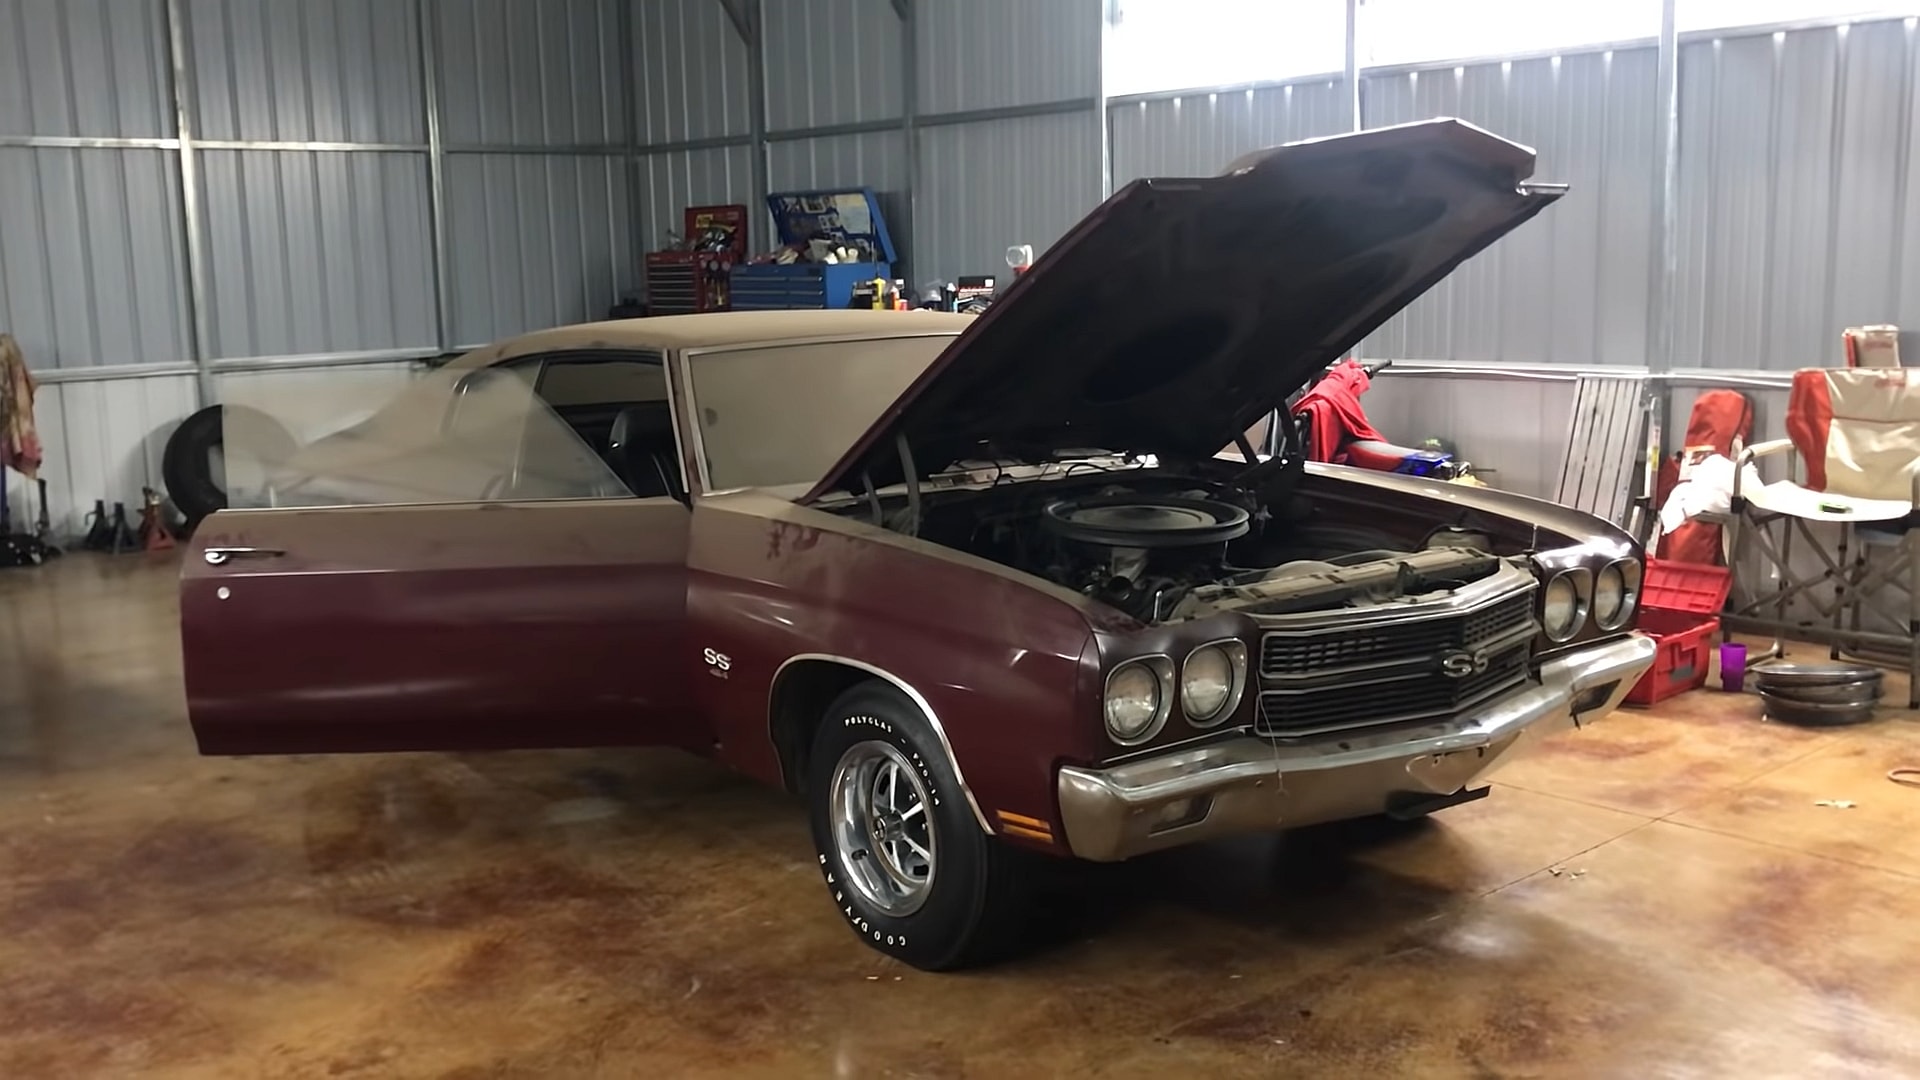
<point x="695" y="278"/>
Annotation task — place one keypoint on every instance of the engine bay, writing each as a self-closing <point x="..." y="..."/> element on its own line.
<point x="1164" y="547"/>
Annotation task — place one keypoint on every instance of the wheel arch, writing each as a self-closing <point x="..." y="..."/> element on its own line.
<point x="805" y="684"/>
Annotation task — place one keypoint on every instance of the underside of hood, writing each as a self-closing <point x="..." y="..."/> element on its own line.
<point x="1181" y="311"/>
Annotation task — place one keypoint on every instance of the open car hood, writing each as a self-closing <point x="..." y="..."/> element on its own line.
<point x="1180" y="312"/>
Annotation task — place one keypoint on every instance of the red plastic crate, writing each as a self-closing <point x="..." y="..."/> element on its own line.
<point x="1679" y="609"/>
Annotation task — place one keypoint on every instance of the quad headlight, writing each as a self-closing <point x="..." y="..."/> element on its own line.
<point x="1564" y="603"/>
<point x="1616" y="591"/>
<point x="1211" y="680"/>
<point x="1139" y="695"/>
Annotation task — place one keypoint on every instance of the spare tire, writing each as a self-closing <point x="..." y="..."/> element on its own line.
<point x="186" y="467"/>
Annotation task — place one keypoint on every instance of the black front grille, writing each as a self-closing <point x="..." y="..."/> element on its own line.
<point x="1333" y="681"/>
<point x="1368" y="704"/>
<point x="1326" y="652"/>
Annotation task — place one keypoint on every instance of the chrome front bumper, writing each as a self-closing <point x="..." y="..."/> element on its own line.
<point x="1244" y="783"/>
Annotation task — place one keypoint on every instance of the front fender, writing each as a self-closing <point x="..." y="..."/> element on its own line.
<point x="1004" y="665"/>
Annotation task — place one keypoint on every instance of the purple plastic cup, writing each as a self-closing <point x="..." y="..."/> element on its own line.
<point x="1733" y="666"/>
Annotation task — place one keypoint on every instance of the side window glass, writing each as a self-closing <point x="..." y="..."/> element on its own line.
<point x="481" y="403"/>
<point x="617" y="409"/>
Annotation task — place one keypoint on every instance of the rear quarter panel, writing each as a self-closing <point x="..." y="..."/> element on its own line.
<point x="1008" y="667"/>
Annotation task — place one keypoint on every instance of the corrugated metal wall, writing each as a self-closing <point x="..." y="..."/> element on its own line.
<point x="1797" y="212"/>
<point x="832" y="62"/>
<point x="574" y="131"/>
<point x="534" y="241"/>
<point x="531" y="74"/>
<point x="315" y="202"/>
<point x="84" y="67"/>
<point x="995" y="53"/>
<point x="344" y="71"/>
<point x="313" y="253"/>
<point x="690" y="71"/>
<point x="1513" y="430"/>
<point x="91" y="262"/>
<point x="989" y="185"/>
<point x="538" y="203"/>
<point x="1570" y="287"/>
<point x="1199" y="134"/>
<point x="90" y="245"/>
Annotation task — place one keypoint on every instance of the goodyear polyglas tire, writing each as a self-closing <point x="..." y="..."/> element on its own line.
<point x="904" y="860"/>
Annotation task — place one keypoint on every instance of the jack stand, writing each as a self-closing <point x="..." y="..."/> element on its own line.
<point x="123" y="538"/>
<point x="100" y="533"/>
<point x="111" y="534"/>
<point x="154" y="535"/>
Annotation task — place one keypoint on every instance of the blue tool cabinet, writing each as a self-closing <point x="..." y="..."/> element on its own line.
<point x="851" y="217"/>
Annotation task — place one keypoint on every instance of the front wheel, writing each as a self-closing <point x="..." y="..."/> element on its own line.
<point x="904" y="859"/>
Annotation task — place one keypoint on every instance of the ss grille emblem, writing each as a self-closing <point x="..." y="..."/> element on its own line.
<point x="1459" y="665"/>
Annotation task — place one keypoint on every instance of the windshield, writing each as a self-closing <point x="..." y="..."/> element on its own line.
<point x="783" y="414"/>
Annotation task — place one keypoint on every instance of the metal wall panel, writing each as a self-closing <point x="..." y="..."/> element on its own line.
<point x="876" y="159"/>
<point x="84" y="67"/>
<point x="832" y="62"/>
<point x="316" y="252"/>
<point x="91" y="266"/>
<point x="328" y="71"/>
<point x="1199" y="134"/>
<point x="690" y="70"/>
<point x="669" y="183"/>
<point x="992" y="53"/>
<point x="534" y="241"/>
<point x="103" y="441"/>
<point x="531" y="72"/>
<point x="1796" y="215"/>
<point x="989" y="185"/>
<point x="1571" y="286"/>
<point x="1515" y="428"/>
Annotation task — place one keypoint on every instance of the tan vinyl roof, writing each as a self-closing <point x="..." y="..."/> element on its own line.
<point x="718" y="328"/>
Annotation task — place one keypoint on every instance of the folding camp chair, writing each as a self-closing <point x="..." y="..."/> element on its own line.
<point x="1855" y="433"/>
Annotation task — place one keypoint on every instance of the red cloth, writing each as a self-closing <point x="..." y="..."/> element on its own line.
<point x="1719" y="417"/>
<point x="1333" y="412"/>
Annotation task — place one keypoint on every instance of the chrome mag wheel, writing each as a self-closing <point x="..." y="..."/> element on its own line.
<point x="880" y="811"/>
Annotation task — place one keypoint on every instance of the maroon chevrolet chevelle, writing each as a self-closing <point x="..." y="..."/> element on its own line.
<point x="975" y="587"/>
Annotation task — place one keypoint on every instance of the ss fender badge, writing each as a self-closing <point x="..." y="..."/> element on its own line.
<point x="1459" y="665"/>
<point x="718" y="663"/>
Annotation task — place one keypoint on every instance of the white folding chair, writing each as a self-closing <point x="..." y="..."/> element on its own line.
<point x="1854" y="435"/>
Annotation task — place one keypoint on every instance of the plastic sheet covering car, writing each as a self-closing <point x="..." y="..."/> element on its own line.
<point x="453" y="435"/>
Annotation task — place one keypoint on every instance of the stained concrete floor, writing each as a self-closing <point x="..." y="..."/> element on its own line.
<point x="1661" y="895"/>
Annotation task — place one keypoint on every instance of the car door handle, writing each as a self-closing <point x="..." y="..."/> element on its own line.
<point x="221" y="555"/>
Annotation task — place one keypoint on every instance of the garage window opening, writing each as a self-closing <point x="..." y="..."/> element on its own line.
<point x="783" y="414"/>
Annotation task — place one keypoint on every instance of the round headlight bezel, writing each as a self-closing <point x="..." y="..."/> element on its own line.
<point x="1160" y="668"/>
<point x="1234" y="653"/>
<point x="1630" y="573"/>
<point x="1580" y="580"/>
